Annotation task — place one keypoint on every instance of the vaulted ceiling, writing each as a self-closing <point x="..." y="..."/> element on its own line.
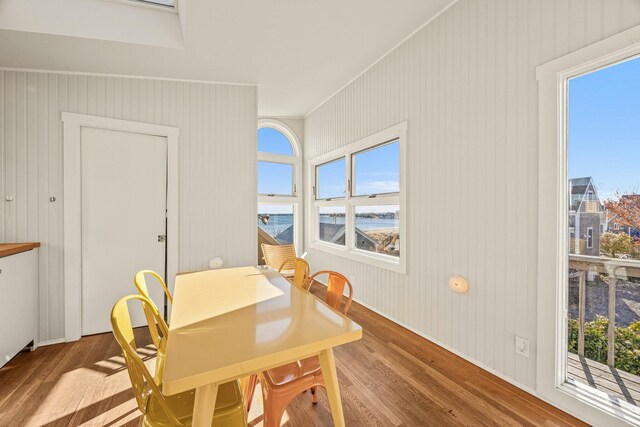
<point x="298" y="52"/>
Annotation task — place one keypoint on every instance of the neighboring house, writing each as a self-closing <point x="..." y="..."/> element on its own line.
<point x="587" y="218"/>
<point x="616" y="227"/>
<point x="613" y="226"/>
<point x="334" y="233"/>
<point x="285" y="237"/>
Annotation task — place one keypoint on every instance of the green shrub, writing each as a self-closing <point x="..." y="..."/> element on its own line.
<point x="627" y="343"/>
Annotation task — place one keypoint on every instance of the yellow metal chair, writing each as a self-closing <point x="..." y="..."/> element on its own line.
<point x="141" y="283"/>
<point x="301" y="271"/>
<point x="159" y="331"/>
<point x="277" y="255"/>
<point x="160" y="410"/>
<point x="155" y="329"/>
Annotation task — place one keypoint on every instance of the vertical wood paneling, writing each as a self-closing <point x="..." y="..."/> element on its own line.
<point x="466" y="85"/>
<point x="217" y="141"/>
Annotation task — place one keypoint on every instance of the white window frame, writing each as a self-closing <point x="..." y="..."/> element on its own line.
<point x="349" y="250"/>
<point x="296" y="161"/>
<point x="589" y="236"/>
<point x="582" y="400"/>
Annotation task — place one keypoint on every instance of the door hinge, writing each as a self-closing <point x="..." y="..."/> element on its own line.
<point x="162" y="237"/>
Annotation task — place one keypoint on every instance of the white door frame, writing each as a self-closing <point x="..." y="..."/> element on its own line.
<point x="72" y="201"/>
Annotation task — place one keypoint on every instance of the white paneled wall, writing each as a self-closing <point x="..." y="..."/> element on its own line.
<point x="466" y="85"/>
<point x="217" y="142"/>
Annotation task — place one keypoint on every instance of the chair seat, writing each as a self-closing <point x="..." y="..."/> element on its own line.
<point x="283" y="374"/>
<point x="281" y="384"/>
<point x="229" y="408"/>
<point x="290" y="372"/>
<point x="310" y="365"/>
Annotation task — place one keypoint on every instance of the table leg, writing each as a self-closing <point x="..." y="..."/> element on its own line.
<point x="330" y="375"/>
<point x="205" y="403"/>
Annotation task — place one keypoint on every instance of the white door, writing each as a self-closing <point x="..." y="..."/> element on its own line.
<point x="124" y="199"/>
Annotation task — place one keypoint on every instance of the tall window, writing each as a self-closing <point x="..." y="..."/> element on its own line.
<point x="603" y="107"/>
<point x="279" y="174"/>
<point x="357" y="200"/>
<point x="588" y="328"/>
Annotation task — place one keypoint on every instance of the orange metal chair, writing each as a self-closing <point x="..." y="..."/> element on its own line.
<point x="301" y="271"/>
<point x="160" y="410"/>
<point x="281" y="384"/>
<point x="300" y="278"/>
<point x="336" y="284"/>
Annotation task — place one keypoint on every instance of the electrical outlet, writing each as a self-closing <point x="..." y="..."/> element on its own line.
<point x="522" y="346"/>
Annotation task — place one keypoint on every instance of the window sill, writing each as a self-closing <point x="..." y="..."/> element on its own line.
<point x="386" y="262"/>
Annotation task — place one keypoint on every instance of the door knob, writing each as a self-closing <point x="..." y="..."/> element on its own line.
<point x="162" y="237"/>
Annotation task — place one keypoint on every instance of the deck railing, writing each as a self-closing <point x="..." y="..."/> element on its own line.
<point x="615" y="269"/>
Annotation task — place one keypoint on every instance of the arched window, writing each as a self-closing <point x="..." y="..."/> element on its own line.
<point x="279" y="180"/>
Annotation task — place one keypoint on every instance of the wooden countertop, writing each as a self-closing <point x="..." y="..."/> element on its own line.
<point x="7" y="249"/>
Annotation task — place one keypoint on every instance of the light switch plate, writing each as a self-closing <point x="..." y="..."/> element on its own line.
<point x="522" y="346"/>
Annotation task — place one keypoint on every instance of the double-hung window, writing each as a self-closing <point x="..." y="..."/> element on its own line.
<point x="357" y="200"/>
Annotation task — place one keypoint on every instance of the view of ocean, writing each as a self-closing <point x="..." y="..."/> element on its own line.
<point x="280" y="222"/>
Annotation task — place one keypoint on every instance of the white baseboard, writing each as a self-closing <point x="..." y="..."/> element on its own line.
<point x="50" y="342"/>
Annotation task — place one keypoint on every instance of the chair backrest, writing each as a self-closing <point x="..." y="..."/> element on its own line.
<point x="145" y="387"/>
<point x="335" y="289"/>
<point x="141" y="283"/>
<point x="276" y="255"/>
<point x="301" y="271"/>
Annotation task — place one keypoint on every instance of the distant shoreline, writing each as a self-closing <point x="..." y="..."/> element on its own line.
<point x="381" y="230"/>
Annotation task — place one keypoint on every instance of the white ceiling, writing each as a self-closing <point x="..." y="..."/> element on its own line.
<point x="298" y="52"/>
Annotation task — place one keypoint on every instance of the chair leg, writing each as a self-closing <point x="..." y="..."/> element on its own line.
<point x="314" y="398"/>
<point x="251" y="390"/>
<point x="273" y="410"/>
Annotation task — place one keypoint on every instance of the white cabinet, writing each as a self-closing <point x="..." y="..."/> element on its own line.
<point x="18" y="303"/>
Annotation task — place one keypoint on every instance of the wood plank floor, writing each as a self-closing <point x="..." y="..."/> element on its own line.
<point x="391" y="377"/>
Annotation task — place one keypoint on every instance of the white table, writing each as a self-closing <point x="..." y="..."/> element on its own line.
<point x="227" y="324"/>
